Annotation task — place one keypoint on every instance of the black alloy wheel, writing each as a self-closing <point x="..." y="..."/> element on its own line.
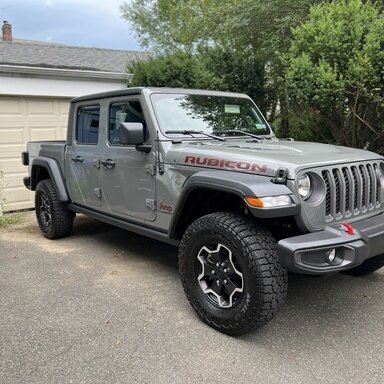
<point x="54" y="218"/>
<point x="231" y="273"/>
<point x="219" y="275"/>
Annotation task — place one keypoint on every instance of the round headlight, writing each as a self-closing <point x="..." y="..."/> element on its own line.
<point x="305" y="187"/>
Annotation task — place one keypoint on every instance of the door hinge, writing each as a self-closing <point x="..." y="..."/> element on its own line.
<point x="151" y="204"/>
<point x="150" y="168"/>
<point x="96" y="163"/>
<point x="97" y="192"/>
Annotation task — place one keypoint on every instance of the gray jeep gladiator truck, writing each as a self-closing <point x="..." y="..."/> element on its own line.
<point x="204" y="171"/>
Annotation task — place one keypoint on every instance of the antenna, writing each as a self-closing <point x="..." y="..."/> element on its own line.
<point x="160" y="165"/>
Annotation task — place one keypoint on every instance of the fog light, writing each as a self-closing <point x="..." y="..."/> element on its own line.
<point x="332" y="256"/>
<point x="335" y="257"/>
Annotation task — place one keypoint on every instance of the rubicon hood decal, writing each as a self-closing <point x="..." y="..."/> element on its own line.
<point x="226" y="164"/>
<point x="250" y="158"/>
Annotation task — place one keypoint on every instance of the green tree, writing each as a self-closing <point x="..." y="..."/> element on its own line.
<point x="251" y="33"/>
<point x="209" y="68"/>
<point x="335" y="73"/>
<point x="180" y="69"/>
<point x="261" y="25"/>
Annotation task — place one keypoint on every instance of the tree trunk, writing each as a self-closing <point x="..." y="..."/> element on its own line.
<point x="284" y="124"/>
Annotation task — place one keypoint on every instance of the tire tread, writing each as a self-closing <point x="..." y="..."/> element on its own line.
<point x="61" y="216"/>
<point x="270" y="278"/>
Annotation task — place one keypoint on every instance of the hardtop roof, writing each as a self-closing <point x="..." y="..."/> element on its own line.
<point x="153" y="90"/>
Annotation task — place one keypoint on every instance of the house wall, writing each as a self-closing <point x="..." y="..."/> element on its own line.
<point x="56" y="87"/>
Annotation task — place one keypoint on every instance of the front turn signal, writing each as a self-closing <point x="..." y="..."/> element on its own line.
<point x="268" y="201"/>
<point x="253" y="201"/>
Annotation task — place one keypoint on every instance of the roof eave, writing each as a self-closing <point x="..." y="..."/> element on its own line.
<point x="23" y="70"/>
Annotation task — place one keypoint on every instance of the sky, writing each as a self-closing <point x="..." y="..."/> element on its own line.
<point x="85" y="23"/>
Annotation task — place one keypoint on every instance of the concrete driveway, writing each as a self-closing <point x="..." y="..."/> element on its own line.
<point x="106" y="306"/>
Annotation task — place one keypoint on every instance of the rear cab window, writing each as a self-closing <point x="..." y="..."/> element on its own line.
<point x="87" y="124"/>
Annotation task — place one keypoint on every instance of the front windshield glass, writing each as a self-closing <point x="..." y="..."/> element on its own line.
<point x="208" y="114"/>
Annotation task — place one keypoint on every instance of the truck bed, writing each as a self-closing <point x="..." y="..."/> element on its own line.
<point x="51" y="149"/>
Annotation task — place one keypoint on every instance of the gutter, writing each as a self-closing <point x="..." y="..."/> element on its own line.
<point x="61" y="73"/>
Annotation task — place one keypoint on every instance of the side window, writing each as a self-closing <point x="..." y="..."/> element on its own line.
<point x="123" y="112"/>
<point x="87" y="126"/>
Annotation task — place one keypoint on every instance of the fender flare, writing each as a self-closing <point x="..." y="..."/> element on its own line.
<point x="240" y="184"/>
<point x="55" y="173"/>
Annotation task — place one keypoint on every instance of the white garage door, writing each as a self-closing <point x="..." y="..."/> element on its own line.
<point x="24" y="119"/>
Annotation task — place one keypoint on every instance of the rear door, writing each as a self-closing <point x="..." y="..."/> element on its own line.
<point x="82" y="157"/>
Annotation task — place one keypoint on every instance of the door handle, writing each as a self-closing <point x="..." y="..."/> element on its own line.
<point x="108" y="163"/>
<point x="77" y="159"/>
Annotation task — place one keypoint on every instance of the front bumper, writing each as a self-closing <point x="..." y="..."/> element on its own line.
<point x="309" y="253"/>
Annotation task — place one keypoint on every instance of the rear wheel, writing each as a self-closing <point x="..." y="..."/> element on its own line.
<point x="54" y="218"/>
<point x="367" y="267"/>
<point x="230" y="272"/>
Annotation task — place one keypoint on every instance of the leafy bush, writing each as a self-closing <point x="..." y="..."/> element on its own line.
<point x="335" y="73"/>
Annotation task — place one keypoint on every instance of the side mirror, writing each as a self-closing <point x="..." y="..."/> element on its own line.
<point x="131" y="133"/>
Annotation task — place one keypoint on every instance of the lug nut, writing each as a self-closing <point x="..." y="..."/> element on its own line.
<point x="217" y="282"/>
<point x="225" y="281"/>
<point x="213" y="272"/>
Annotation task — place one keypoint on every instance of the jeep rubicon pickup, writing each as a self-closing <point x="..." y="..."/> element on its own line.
<point x="204" y="171"/>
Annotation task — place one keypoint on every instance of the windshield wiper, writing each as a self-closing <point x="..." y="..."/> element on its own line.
<point x="190" y="132"/>
<point x="243" y="133"/>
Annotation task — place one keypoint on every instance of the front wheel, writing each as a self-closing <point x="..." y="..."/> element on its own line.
<point x="54" y="218"/>
<point x="231" y="273"/>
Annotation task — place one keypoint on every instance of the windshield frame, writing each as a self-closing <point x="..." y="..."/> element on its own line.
<point x="167" y="132"/>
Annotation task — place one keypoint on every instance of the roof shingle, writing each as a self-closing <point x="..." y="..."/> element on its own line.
<point x="49" y="55"/>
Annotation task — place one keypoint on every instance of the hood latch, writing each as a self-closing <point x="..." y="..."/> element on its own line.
<point x="281" y="176"/>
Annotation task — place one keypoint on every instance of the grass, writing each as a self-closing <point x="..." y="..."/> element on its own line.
<point x="10" y="219"/>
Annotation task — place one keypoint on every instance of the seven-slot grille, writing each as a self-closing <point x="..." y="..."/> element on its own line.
<point x="351" y="190"/>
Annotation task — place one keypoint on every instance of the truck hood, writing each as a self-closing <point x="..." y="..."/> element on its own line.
<point x="264" y="157"/>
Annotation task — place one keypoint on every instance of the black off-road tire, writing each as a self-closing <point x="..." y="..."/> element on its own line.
<point x="54" y="218"/>
<point x="368" y="266"/>
<point x="254" y="254"/>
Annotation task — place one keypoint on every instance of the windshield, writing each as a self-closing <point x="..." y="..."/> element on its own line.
<point x="209" y="114"/>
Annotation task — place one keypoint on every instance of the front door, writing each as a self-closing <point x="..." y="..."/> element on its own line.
<point x="82" y="158"/>
<point x="127" y="174"/>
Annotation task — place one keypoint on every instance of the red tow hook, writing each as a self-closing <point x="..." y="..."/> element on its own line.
<point x="349" y="229"/>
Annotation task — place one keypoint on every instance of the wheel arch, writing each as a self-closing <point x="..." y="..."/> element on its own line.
<point x="213" y="191"/>
<point x="46" y="168"/>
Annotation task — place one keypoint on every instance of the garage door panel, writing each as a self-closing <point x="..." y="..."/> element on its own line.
<point x="12" y="135"/>
<point x="64" y="132"/>
<point x="12" y="151"/>
<point x="11" y="107"/>
<point x="12" y="166"/>
<point x="13" y="192"/>
<point x="13" y="180"/>
<point x="41" y="134"/>
<point x="42" y="108"/>
<point x="63" y="110"/>
<point x="17" y="198"/>
<point x="24" y="119"/>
